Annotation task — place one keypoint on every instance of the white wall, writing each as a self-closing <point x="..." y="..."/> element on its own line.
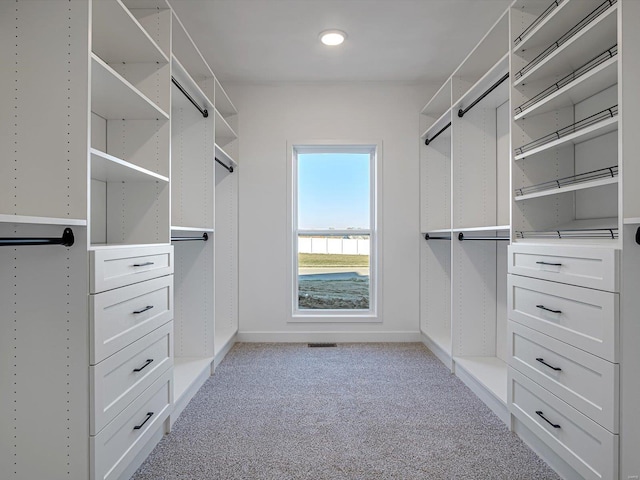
<point x="272" y="115"/>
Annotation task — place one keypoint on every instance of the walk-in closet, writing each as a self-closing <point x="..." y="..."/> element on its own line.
<point x="248" y="239"/>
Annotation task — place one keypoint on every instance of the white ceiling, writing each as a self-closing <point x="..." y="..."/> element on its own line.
<point x="260" y="41"/>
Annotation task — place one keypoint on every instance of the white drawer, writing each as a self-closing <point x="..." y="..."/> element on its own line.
<point x="584" y="381"/>
<point x="585" y="266"/>
<point x="118" y="380"/>
<point x="582" y="317"/>
<point x="120" y="317"/>
<point x="119" y="266"/>
<point x="113" y="449"/>
<point x="590" y="449"/>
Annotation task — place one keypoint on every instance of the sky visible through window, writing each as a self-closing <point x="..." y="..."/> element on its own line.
<point x="333" y="191"/>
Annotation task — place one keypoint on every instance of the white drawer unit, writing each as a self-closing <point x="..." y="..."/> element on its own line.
<point x="118" y="380"/>
<point x="586" y="446"/>
<point x="584" y="381"/>
<point x="582" y="317"/>
<point x="120" y="317"/>
<point x="119" y="266"/>
<point x="120" y="441"/>
<point x="590" y="267"/>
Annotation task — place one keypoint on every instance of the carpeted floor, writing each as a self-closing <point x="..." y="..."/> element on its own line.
<point x="357" y="411"/>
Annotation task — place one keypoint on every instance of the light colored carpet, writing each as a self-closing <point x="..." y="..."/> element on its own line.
<point x="357" y="411"/>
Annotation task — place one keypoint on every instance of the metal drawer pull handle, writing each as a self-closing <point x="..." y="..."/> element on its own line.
<point x="541" y="360"/>
<point x="143" y="264"/>
<point x="547" y="263"/>
<point x="149" y="415"/>
<point x="548" y="309"/>
<point x="554" y="425"/>
<point x="148" y="307"/>
<point x="149" y="360"/>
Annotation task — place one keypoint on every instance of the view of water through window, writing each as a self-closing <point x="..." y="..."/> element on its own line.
<point x="334" y="236"/>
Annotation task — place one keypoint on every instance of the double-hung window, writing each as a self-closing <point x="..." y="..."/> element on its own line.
<point x="334" y="219"/>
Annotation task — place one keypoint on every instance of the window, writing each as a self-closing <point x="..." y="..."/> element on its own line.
<point x="334" y="231"/>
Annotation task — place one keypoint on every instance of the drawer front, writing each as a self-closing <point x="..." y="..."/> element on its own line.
<point x="120" y="317"/>
<point x="118" y="380"/>
<point x="576" y="265"/>
<point x="584" y="318"/>
<point x="113" y="449"/>
<point x="117" y="267"/>
<point x="590" y="449"/>
<point x="584" y="381"/>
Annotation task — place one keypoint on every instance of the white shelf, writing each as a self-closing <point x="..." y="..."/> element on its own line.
<point x="223" y="102"/>
<point x="27" y="220"/>
<point x="491" y="372"/>
<point x="130" y="43"/>
<point x="107" y="168"/>
<point x="224" y="157"/>
<point x="114" y="98"/>
<point x="490" y="228"/>
<point x="564" y="17"/>
<point x="175" y="228"/>
<point x="440" y="102"/>
<point x="632" y="220"/>
<point x="596" y="130"/>
<point x="111" y="246"/>
<point x="189" y="84"/>
<point x="438" y="230"/>
<point x="569" y="188"/>
<point x="596" y="80"/>
<point x="186" y="371"/>
<point x="224" y="132"/>
<point x="185" y="49"/>
<point x="599" y="34"/>
<point x="436" y="126"/>
<point x="441" y="339"/>
<point x="495" y="98"/>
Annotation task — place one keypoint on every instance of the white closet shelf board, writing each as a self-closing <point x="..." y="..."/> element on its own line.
<point x="224" y="132"/>
<point x="440" y="102"/>
<point x="189" y="373"/>
<point x="437" y="125"/>
<point x="599" y="34"/>
<point x="442" y="339"/>
<point x="223" y="102"/>
<point x="627" y="220"/>
<point x="131" y="43"/>
<point x="25" y="219"/>
<point x="107" y="168"/>
<point x="114" y="98"/>
<point x="185" y="49"/>
<point x="489" y="228"/>
<point x="224" y="156"/>
<point x="569" y="188"/>
<point x="489" y="50"/>
<point x="175" y="228"/>
<point x="489" y="371"/>
<point x="495" y="98"/>
<point x="557" y="23"/>
<point x="595" y="81"/>
<point x="189" y="84"/>
<point x="437" y="230"/>
<point x="111" y="246"/>
<point x="601" y="128"/>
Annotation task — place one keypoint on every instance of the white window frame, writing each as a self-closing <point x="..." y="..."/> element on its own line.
<point x="374" y="150"/>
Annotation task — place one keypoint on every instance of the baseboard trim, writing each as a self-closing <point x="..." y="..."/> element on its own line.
<point x="329" y="337"/>
<point x="488" y="398"/>
<point x="219" y="357"/>
<point x="441" y="354"/>
<point x="180" y="403"/>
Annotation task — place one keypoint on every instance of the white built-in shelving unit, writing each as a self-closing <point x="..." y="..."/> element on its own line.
<point x="104" y="147"/>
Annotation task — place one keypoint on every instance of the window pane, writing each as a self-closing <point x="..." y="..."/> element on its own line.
<point x="334" y="191"/>
<point x="333" y="272"/>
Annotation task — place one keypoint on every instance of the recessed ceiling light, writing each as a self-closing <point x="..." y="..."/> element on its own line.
<point x="332" y="37"/>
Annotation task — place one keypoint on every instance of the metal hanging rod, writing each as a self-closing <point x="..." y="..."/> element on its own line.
<point x="203" y="111"/>
<point x="435" y="237"/>
<point x="461" y="237"/>
<point x="461" y="112"/>
<point x="429" y="140"/>
<point x="228" y="167"/>
<point x="204" y="237"/>
<point x="66" y="240"/>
